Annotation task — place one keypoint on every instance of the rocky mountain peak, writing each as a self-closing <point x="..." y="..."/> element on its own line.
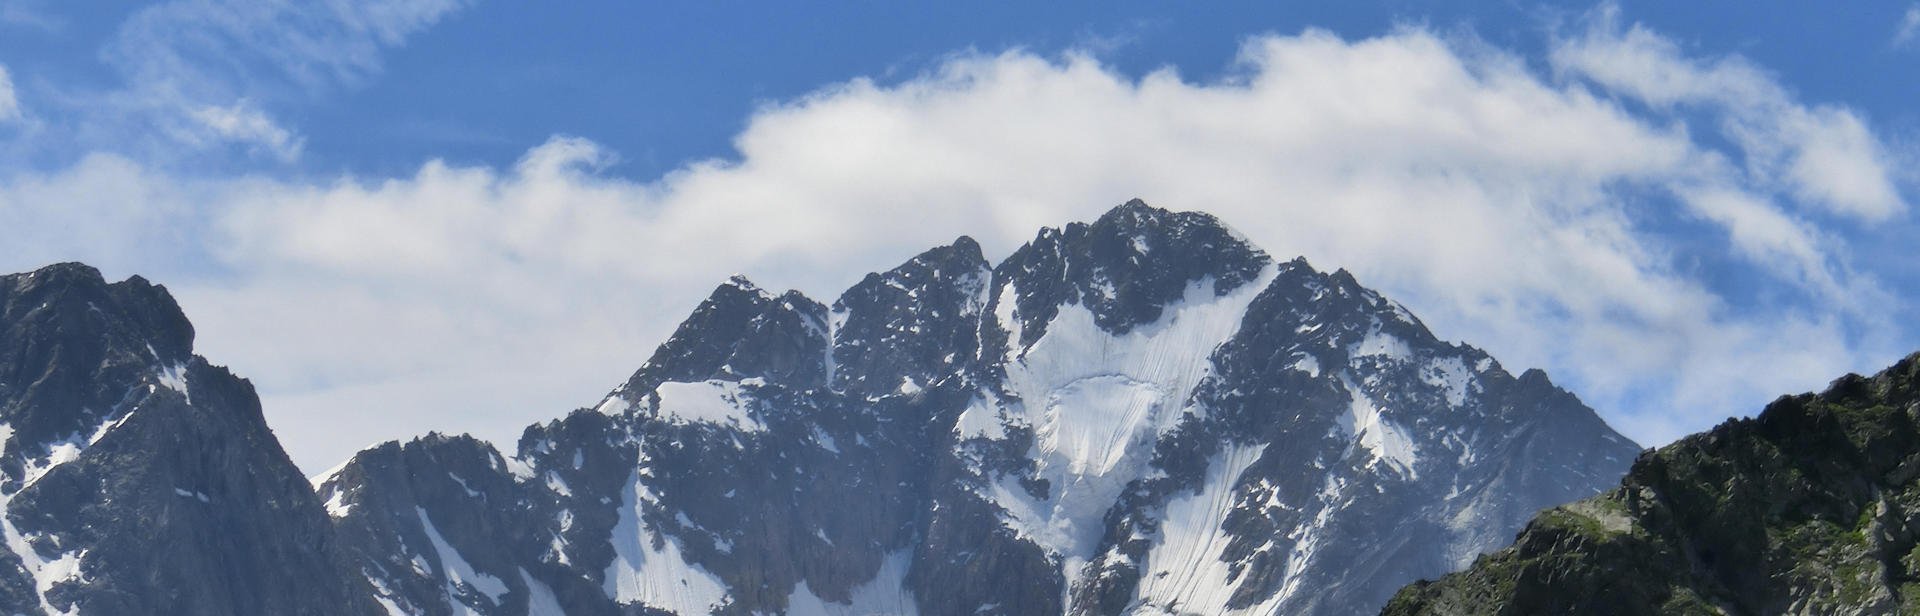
<point x="135" y="477"/>
<point x="741" y="331"/>
<point x="139" y="309"/>
<point x="1125" y="267"/>
<point x="899" y="330"/>
<point x="73" y="347"/>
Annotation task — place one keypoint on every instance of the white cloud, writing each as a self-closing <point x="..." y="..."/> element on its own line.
<point x="9" y="101"/>
<point x="1507" y="208"/>
<point x="244" y="124"/>
<point x="1909" y="26"/>
<point x="1825" y="154"/>
<point x="106" y="210"/>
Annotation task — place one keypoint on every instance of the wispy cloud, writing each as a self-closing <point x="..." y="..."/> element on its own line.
<point x="9" y="101"/>
<point x="228" y="47"/>
<point x="1826" y="155"/>
<point x="209" y="77"/>
<point x="242" y="123"/>
<point x="1909" y="27"/>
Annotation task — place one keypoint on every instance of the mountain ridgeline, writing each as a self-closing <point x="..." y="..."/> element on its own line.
<point x="1145" y="414"/>
<point x="1141" y="415"/>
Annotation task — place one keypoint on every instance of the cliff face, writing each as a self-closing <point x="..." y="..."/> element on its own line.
<point x="1810" y="508"/>
<point x="135" y="477"/>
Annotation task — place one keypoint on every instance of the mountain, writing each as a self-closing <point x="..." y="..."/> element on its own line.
<point x="1145" y="414"/>
<point x="135" y="477"/>
<point x="1810" y="508"/>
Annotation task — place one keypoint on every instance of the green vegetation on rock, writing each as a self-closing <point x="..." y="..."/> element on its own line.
<point x="1810" y="508"/>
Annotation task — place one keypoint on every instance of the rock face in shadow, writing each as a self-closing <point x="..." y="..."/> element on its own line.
<point x="1144" y="414"/>
<point x="1809" y="508"/>
<point x="135" y="477"/>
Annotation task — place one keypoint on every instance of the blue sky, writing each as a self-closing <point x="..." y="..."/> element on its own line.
<point x="403" y="215"/>
<point x="663" y="83"/>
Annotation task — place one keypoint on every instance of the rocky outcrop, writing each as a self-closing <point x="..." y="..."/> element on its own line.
<point x="1809" y="508"/>
<point x="135" y="477"/>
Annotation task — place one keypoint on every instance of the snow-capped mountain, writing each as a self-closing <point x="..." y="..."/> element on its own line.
<point x="135" y="477"/>
<point x="1145" y="415"/>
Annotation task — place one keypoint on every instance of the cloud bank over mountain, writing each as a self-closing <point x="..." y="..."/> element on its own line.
<point x="1674" y="235"/>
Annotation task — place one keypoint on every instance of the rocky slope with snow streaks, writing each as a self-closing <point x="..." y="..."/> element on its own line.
<point x="1145" y="414"/>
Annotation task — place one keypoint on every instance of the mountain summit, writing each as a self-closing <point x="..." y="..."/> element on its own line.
<point x="135" y="477"/>
<point x="1145" y="414"/>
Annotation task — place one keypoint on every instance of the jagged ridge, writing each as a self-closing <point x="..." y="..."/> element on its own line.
<point x="1143" y="414"/>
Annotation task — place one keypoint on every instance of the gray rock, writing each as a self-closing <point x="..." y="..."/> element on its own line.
<point x="136" y="478"/>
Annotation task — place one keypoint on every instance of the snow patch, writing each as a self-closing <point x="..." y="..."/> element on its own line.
<point x="337" y="505"/>
<point x="519" y="468"/>
<point x="1452" y="376"/>
<point x="58" y="453"/>
<point x="825" y="441"/>
<point x="1185" y="571"/>
<point x="381" y="594"/>
<point x="1385" y="441"/>
<point x="174" y="377"/>
<point x="980" y="420"/>
<point x="457" y="571"/>
<point x="327" y="475"/>
<point x="1308" y="364"/>
<point x="650" y="569"/>
<point x="1097" y="402"/>
<point x="558" y="485"/>
<point x="1093" y="424"/>
<point x="1004" y="308"/>
<point x="45" y="572"/>
<point x="615" y="404"/>
<point x="711" y="402"/>
<point x="472" y="493"/>
<point x="1381" y="344"/>
<point x="885" y="594"/>
<point x="540" y="599"/>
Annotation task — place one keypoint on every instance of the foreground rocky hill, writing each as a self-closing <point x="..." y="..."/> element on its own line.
<point x="1145" y="414"/>
<point x="1810" y="508"/>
